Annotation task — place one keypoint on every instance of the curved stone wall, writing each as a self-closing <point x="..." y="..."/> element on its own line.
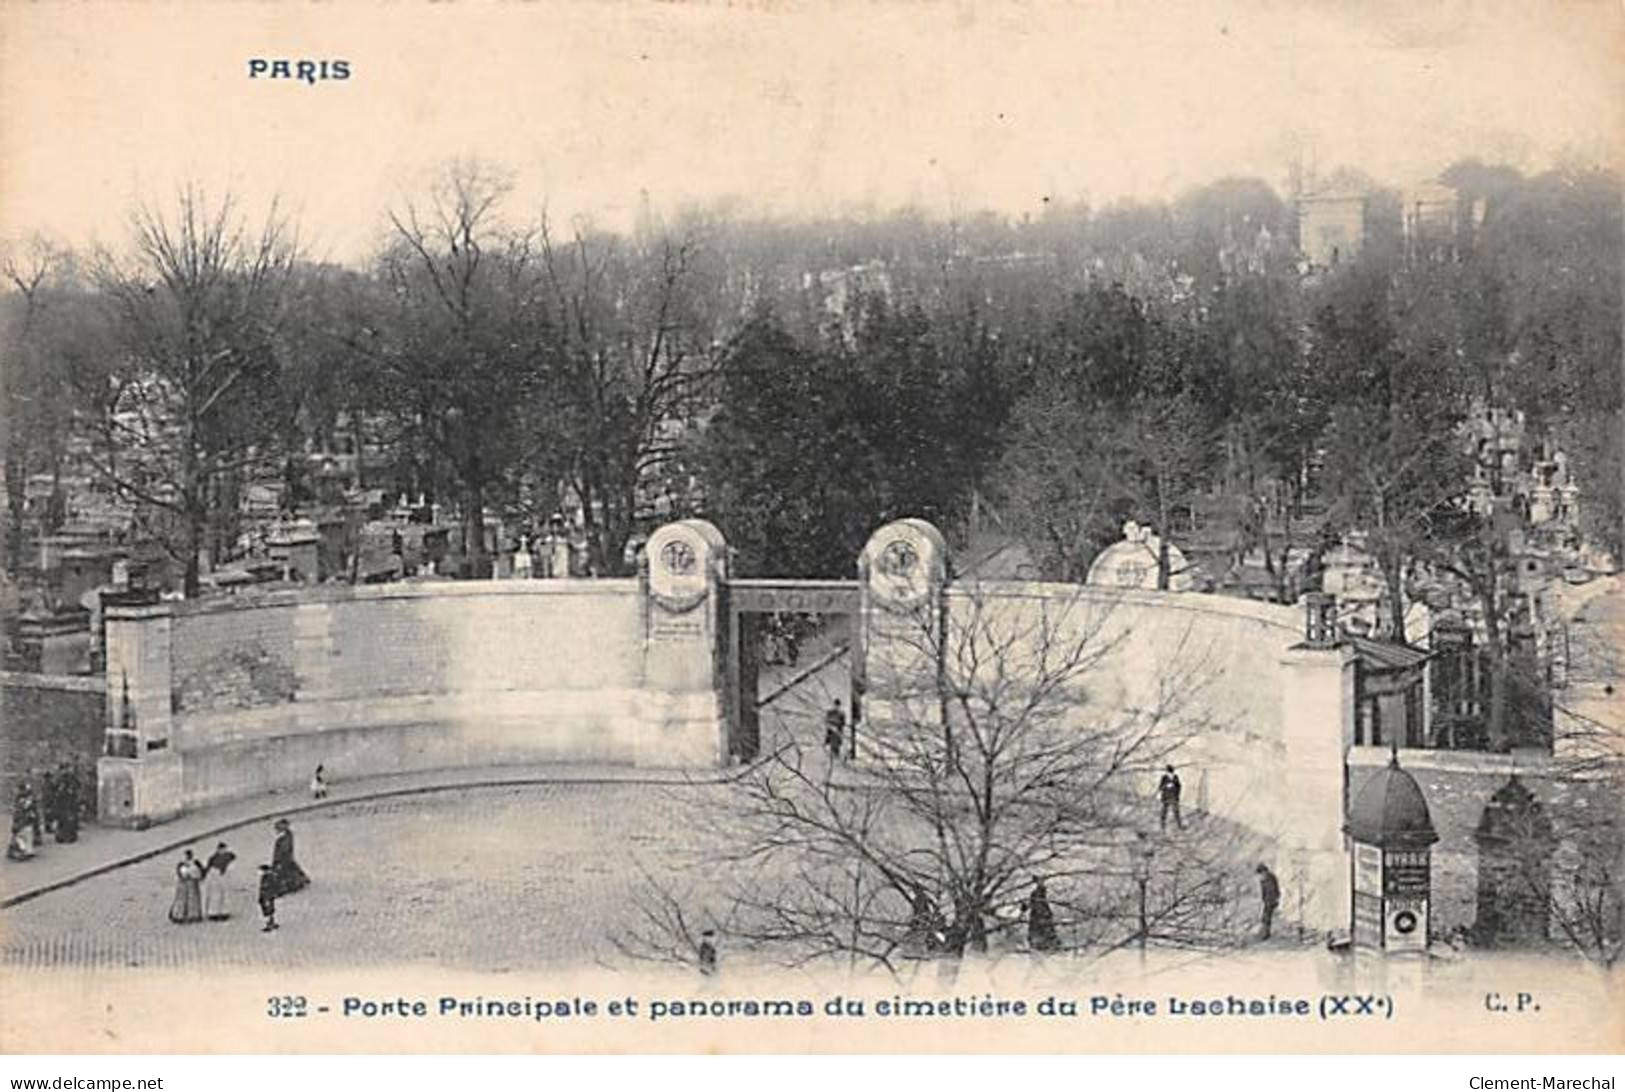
<point x="217" y="700"/>
<point x="229" y="698"/>
<point x="1211" y="667"/>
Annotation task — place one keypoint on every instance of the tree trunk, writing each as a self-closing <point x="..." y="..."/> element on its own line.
<point x="474" y="555"/>
<point x="195" y="514"/>
<point x="1394" y="577"/>
<point x="1495" y="720"/>
<point x="16" y="497"/>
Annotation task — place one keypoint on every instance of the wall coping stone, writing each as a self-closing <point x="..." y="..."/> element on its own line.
<point x="1285" y="617"/>
<point x="372" y="593"/>
<point x="29" y="680"/>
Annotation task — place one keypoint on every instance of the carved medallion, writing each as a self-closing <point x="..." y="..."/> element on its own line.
<point x="678" y="558"/>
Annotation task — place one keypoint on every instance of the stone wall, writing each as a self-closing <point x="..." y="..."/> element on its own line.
<point x="1210" y="667"/>
<point x="383" y="679"/>
<point x="1255" y="723"/>
<point x="45" y="719"/>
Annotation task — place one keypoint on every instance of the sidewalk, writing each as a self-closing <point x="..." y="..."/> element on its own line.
<point x="103" y="849"/>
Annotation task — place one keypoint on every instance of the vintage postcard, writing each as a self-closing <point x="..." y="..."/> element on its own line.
<point x="607" y="526"/>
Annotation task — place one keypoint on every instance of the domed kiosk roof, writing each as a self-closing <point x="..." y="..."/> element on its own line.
<point x="1390" y="811"/>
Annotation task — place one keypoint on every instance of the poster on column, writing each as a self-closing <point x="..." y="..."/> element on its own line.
<point x="324" y="324"/>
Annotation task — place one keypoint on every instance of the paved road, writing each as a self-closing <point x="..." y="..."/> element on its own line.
<point x="101" y="848"/>
<point x="488" y="879"/>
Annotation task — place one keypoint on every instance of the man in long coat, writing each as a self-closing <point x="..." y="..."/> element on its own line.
<point x="1041" y="935"/>
<point x="1269" y="893"/>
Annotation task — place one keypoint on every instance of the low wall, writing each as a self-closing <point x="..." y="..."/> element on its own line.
<point x="45" y="719"/>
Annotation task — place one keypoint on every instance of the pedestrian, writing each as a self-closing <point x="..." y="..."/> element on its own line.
<point x="35" y="819"/>
<point x="286" y="875"/>
<point x="792" y="640"/>
<point x="834" y="729"/>
<point x="1041" y="936"/>
<point x="216" y="888"/>
<point x="708" y="952"/>
<point x="925" y="924"/>
<point x="22" y="845"/>
<point x="47" y="800"/>
<point x="188" y="905"/>
<point x="1168" y="789"/>
<point x="1269" y="891"/>
<point x="67" y="804"/>
<point x="318" y="783"/>
<point x="267" y="897"/>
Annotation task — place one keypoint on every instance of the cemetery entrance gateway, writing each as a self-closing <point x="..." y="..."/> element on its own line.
<point x="750" y="606"/>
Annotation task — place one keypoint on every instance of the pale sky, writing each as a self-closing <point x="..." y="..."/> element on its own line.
<point x="790" y="107"/>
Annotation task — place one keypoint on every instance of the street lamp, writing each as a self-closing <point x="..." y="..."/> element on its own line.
<point x="1144" y="852"/>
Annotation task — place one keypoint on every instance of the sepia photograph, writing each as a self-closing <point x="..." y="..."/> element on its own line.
<point x="968" y="526"/>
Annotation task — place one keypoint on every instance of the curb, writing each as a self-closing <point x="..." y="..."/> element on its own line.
<point x="332" y="802"/>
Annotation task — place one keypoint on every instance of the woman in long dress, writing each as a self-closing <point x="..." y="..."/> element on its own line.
<point x="216" y="887"/>
<point x="22" y="847"/>
<point x="188" y="904"/>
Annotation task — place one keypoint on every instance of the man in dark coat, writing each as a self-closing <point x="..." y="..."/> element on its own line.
<point x="708" y="952"/>
<point x="67" y="803"/>
<point x="268" y="897"/>
<point x="1269" y="892"/>
<point x="925" y="924"/>
<point x="287" y="876"/>
<point x="834" y="729"/>
<point x="1168" y="790"/>
<point x="47" y="802"/>
<point x="67" y="808"/>
<point x="1041" y="936"/>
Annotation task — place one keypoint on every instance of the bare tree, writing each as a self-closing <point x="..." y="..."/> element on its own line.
<point x="636" y="350"/>
<point x="198" y="305"/>
<point x="462" y="343"/>
<point x="999" y="758"/>
<point x="36" y="408"/>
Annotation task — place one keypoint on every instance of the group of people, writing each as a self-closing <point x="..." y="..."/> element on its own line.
<point x="57" y="808"/>
<point x="203" y="889"/>
<point x="929" y="933"/>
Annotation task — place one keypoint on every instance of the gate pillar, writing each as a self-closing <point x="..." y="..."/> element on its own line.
<point x="684" y="721"/>
<point x="902" y="574"/>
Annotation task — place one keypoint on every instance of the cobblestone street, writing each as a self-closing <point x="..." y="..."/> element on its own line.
<point x="488" y="879"/>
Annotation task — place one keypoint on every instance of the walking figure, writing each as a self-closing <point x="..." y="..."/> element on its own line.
<point x="1041" y="936"/>
<point x="188" y="905"/>
<point x="216" y="893"/>
<point x="1269" y="891"/>
<point x="708" y="952"/>
<point x="24" y="820"/>
<point x="925" y="924"/>
<point x="267" y="898"/>
<point x="47" y="805"/>
<point x="67" y="804"/>
<point x="1168" y="790"/>
<point x="318" y="783"/>
<point x="834" y="729"/>
<point x="287" y="876"/>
